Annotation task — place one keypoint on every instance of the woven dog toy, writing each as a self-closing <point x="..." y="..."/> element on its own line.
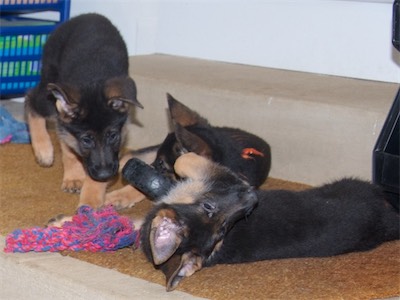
<point x="90" y="230"/>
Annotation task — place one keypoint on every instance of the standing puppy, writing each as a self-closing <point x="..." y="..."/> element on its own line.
<point x="86" y="89"/>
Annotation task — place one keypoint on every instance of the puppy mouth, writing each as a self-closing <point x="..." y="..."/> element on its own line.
<point x="102" y="174"/>
<point x="165" y="172"/>
<point x="249" y="211"/>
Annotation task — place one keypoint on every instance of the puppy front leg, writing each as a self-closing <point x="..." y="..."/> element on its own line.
<point x="74" y="173"/>
<point x="125" y="197"/>
<point x="76" y="180"/>
<point x="92" y="193"/>
<point x="128" y="196"/>
<point x="41" y="142"/>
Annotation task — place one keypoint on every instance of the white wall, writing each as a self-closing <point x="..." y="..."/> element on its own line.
<point x="136" y="20"/>
<point x="344" y="38"/>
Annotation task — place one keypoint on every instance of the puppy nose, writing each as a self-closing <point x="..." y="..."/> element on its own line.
<point x="103" y="173"/>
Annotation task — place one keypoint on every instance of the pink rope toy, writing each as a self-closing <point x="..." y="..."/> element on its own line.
<point x="90" y="230"/>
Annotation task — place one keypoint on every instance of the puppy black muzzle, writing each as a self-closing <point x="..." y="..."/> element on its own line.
<point x="103" y="172"/>
<point x="164" y="169"/>
<point x="248" y="202"/>
<point x="102" y="165"/>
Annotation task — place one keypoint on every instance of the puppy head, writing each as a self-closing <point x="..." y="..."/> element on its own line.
<point x="184" y="232"/>
<point x="91" y="121"/>
<point x="74" y="102"/>
<point x="183" y="139"/>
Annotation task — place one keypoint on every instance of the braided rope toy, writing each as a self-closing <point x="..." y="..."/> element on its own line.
<point x="90" y="230"/>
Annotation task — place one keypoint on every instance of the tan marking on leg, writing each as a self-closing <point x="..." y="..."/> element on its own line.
<point x="41" y="142"/>
<point x="125" y="197"/>
<point x="92" y="193"/>
<point x="75" y="180"/>
<point x="74" y="173"/>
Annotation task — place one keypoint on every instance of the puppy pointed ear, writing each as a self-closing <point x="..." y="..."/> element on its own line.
<point x="183" y="115"/>
<point x="191" y="142"/>
<point x="189" y="264"/>
<point x="166" y="235"/>
<point x="67" y="99"/>
<point x="120" y="92"/>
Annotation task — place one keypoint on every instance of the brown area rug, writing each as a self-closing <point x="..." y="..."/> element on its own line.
<point x="30" y="195"/>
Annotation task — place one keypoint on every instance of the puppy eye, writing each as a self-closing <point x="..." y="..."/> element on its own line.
<point x="87" y="141"/>
<point x="209" y="208"/>
<point x="112" y="137"/>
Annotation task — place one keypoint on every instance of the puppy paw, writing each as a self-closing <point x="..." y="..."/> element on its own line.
<point x="73" y="186"/>
<point x="193" y="166"/>
<point x="58" y="221"/>
<point x="123" y="198"/>
<point x="44" y="153"/>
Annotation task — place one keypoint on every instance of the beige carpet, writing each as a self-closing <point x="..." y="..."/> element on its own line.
<point x="30" y="195"/>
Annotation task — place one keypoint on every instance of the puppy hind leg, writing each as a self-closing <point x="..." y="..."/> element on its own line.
<point x="148" y="155"/>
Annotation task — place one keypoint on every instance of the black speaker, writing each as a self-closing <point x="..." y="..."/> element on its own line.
<point x="385" y="161"/>
<point x="396" y="25"/>
<point x="386" y="167"/>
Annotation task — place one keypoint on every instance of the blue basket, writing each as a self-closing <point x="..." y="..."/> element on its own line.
<point x="32" y="6"/>
<point x="21" y="43"/>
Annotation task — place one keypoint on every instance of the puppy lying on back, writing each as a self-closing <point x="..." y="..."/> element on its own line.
<point x="86" y="89"/>
<point x="246" y="154"/>
<point x="214" y="217"/>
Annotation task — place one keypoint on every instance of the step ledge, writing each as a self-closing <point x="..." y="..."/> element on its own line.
<point x="320" y="127"/>
<point x="53" y="276"/>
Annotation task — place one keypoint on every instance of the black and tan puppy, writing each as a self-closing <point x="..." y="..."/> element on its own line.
<point x="244" y="153"/>
<point x="213" y="217"/>
<point x="86" y="89"/>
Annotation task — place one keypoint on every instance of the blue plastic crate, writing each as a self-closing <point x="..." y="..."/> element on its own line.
<point x="32" y="6"/>
<point x="22" y="40"/>
<point x="21" y="47"/>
